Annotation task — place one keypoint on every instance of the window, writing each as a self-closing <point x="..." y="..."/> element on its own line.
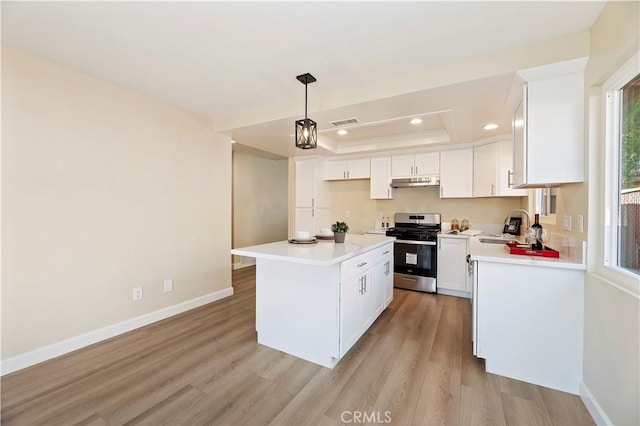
<point x="546" y="204"/>
<point x="622" y="192"/>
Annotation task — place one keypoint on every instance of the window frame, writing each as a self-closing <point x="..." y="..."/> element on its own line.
<point x="612" y="105"/>
<point x="551" y="217"/>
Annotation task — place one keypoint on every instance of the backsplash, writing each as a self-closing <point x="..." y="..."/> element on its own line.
<point x="353" y="197"/>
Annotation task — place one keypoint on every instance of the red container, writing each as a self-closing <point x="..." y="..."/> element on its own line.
<point x="525" y="250"/>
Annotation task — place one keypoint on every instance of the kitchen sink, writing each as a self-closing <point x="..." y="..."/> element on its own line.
<point x="497" y="240"/>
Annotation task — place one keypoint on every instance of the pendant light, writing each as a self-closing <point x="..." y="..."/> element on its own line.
<point x="306" y="129"/>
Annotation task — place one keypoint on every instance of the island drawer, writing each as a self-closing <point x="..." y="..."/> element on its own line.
<point x="354" y="266"/>
<point x="379" y="254"/>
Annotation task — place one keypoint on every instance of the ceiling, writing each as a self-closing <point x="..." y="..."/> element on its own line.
<point x="220" y="59"/>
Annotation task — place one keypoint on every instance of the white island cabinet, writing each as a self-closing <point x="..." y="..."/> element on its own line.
<point x="315" y="301"/>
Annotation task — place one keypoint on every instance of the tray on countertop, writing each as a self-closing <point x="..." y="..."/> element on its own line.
<point x="325" y="237"/>
<point x="305" y="241"/>
<point x="526" y="250"/>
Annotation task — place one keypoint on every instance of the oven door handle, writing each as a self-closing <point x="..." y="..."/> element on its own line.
<point x="421" y="243"/>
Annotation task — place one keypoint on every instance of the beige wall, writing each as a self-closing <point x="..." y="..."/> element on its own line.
<point x="103" y="190"/>
<point x="259" y="200"/>
<point x="354" y="196"/>
<point x="612" y="301"/>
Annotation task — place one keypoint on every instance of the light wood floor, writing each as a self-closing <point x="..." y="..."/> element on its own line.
<point x="414" y="366"/>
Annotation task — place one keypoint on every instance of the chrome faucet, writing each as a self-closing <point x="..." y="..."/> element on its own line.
<point x="526" y="213"/>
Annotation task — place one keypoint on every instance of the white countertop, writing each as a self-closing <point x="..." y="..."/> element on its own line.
<point x="322" y="253"/>
<point x="571" y="255"/>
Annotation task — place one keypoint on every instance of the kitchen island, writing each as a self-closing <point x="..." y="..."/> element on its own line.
<point x="314" y="301"/>
<point x="528" y="314"/>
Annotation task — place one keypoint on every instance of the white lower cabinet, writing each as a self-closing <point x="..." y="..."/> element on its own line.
<point x="528" y="323"/>
<point x="366" y="289"/>
<point x="453" y="277"/>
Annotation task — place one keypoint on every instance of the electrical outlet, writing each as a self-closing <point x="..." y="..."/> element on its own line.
<point x="580" y="223"/>
<point x="137" y="293"/>
<point x="347" y="214"/>
<point x="168" y="286"/>
<point x="567" y="223"/>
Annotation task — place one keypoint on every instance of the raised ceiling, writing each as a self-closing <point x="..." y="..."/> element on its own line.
<point x="226" y="58"/>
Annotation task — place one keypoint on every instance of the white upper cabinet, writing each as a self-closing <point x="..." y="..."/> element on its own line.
<point x="549" y="126"/>
<point x="492" y="167"/>
<point x="346" y="169"/>
<point x="380" y="184"/>
<point x="456" y="173"/>
<point x="422" y="164"/>
<point x="485" y="166"/>
<point x="312" y="197"/>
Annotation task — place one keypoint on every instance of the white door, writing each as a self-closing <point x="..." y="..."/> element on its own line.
<point x="304" y="183"/>
<point x="380" y="185"/>
<point x="358" y="169"/>
<point x="349" y="329"/>
<point x="365" y="302"/>
<point x="402" y="165"/>
<point x="379" y="291"/>
<point x="335" y="170"/>
<point x="456" y="173"/>
<point x="485" y="166"/>
<point x="304" y="219"/>
<point x="452" y="271"/>
<point x="427" y="163"/>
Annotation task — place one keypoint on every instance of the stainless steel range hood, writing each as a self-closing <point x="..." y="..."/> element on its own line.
<point x="415" y="181"/>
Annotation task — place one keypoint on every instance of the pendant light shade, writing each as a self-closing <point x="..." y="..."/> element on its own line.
<point x="306" y="129"/>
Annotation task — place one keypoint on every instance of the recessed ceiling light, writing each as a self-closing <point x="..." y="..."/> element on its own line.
<point x="342" y="132"/>
<point x="232" y="141"/>
<point x="416" y="121"/>
<point x="490" y="126"/>
<point x="519" y="122"/>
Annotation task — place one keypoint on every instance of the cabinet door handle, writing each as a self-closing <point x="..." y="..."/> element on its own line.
<point x="441" y="191"/>
<point x="348" y="174"/>
<point x="439" y="244"/>
<point x="386" y="252"/>
<point x="365" y="283"/>
<point x="509" y="174"/>
<point x="416" y="169"/>
<point x="360" y="265"/>
<point x="493" y="189"/>
<point x="388" y="192"/>
<point x="360" y="289"/>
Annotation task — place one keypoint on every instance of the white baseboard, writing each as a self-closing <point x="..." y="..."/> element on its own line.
<point x="60" y="348"/>
<point x="243" y="265"/>
<point x="594" y="408"/>
<point x="455" y="293"/>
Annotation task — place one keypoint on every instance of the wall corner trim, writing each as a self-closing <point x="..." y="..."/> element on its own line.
<point x="594" y="408"/>
<point x="46" y="353"/>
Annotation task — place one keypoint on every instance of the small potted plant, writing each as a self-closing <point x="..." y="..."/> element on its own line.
<point x="339" y="230"/>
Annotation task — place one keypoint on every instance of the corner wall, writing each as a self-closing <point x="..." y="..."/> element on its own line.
<point x="611" y="376"/>
<point x="103" y="190"/>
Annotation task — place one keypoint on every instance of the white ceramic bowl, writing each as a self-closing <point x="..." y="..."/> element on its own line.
<point x="326" y="231"/>
<point x="302" y="235"/>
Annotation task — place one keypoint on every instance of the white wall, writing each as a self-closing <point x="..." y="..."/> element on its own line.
<point x="259" y="201"/>
<point x="103" y="189"/>
<point x="611" y="372"/>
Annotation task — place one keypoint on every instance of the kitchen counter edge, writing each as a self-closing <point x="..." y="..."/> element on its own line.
<point x="317" y="254"/>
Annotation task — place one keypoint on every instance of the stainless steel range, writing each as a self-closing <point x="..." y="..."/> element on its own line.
<point x="415" y="250"/>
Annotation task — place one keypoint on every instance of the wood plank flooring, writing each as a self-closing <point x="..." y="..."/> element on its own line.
<point x="414" y="366"/>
